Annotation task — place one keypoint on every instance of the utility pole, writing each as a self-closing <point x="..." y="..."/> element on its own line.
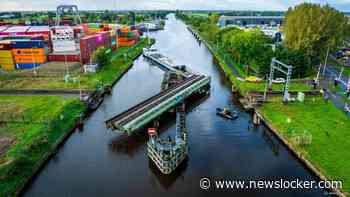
<point x="149" y="41"/>
<point x="318" y="73"/>
<point x="325" y="62"/>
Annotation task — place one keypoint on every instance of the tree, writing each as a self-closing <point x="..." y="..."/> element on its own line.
<point x="100" y="56"/>
<point x="295" y="58"/>
<point x="313" y="29"/>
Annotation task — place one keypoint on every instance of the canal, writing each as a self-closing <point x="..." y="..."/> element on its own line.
<point x="99" y="162"/>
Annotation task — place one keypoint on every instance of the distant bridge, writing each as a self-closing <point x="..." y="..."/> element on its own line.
<point x="165" y="63"/>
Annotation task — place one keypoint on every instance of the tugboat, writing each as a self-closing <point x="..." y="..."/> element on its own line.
<point x="225" y="113"/>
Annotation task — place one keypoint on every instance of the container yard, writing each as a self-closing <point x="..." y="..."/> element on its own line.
<point x="28" y="47"/>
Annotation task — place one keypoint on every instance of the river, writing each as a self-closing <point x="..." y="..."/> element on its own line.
<point x="99" y="162"/>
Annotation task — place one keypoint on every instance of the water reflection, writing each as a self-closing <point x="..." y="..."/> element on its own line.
<point x="271" y="141"/>
<point x="166" y="181"/>
<point x="130" y="144"/>
<point x="97" y="162"/>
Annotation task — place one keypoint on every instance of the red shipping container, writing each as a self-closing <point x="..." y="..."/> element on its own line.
<point x="62" y="57"/>
<point x="5" y="45"/>
<point x="90" y="43"/>
<point x="45" y="35"/>
<point x="85" y="27"/>
<point x="87" y="47"/>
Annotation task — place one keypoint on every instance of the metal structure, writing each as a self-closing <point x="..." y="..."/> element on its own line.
<point x="62" y="9"/>
<point x="168" y="154"/>
<point x="285" y="69"/>
<point x="164" y="62"/>
<point x="144" y="112"/>
<point x="177" y="85"/>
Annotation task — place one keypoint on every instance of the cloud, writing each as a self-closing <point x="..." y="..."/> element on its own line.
<point x="11" y="5"/>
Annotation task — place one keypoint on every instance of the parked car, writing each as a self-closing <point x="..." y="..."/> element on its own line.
<point x="279" y="80"/>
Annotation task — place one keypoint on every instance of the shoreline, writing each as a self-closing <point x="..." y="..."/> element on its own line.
<point x="40" y="164"/>
<point x="274" y="131"/>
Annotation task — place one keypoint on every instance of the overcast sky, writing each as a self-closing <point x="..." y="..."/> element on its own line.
<point x="10" y="5"/>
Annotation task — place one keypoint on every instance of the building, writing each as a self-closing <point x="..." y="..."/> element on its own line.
<point x="250" y="20"/>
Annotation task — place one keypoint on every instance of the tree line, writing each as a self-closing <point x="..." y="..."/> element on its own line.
<point x="309" y="29"/>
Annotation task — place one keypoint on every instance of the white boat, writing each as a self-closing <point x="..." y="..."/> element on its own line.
<point x="149" y="50"/>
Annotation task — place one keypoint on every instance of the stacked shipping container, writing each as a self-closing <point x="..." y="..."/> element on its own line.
<point x="127" y="37"/>
<point x="28" y="48"/>
<point x="15" y="30"/>
<point x="28" y="54"/>
<point x="43" y="31"/>
<point x="6" y="57"/>
<point x="69" y="57"/>
<point x="62" y="38"/>
<point x="90" y="43"/>
<point x="94" y="28"/>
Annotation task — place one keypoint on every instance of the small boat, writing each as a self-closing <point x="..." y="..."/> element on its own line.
<point x="149" y="50"/>
<point x="226" y="113"/>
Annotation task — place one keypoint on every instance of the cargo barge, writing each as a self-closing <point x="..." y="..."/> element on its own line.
<point x="165" y="63"/>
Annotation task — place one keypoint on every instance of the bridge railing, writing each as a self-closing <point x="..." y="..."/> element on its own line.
<point x="109" y="122"/>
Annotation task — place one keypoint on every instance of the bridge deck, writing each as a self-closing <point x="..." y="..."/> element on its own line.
<point x="119" y="121"/>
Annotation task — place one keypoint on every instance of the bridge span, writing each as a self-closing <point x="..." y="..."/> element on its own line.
<point x="144" y="112"/>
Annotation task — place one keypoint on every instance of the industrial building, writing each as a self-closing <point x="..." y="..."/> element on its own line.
<point x="250" y="20"/>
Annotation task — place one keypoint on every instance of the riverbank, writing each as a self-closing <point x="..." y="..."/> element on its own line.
<point x="33" y="127"/>
<point x="316" y="139"/>
<point x="327" y="167"/>
<point x="238" y="83"/>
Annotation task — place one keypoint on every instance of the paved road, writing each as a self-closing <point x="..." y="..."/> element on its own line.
<point x="68" y="93"/>
<point x="337" y="97"/>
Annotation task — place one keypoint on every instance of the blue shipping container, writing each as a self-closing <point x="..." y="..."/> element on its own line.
<point x="26" y="65"/>
<point x="28" y="44"/>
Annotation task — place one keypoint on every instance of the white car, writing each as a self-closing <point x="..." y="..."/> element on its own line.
<point x="279" y="80"/>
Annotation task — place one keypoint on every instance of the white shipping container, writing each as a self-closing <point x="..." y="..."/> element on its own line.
<point x="3" y="28"/>
<point x="17" y="29"/>
<point x="62" y="33"/>
<point x="64" y="45"/>
<point x="38" y="28"/>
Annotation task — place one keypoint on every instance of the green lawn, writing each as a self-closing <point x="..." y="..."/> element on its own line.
<point x="106" y="75"/>
<point x="200" y="14"/>
<point x="244" y="87"/>
<point x="328" y="126"/>
<point x="46" y="119"/>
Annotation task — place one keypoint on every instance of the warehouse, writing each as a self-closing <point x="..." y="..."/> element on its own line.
<point x="250" y="20"/>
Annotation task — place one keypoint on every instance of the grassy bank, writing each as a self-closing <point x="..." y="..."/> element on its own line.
<point x="34" y="125"/>
<point x="243" y="86"/>
<point x="316" y="129"/>
<point x="329" y="130"/>
<point x="106" y="75"/>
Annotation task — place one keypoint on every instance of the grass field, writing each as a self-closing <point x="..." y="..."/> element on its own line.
<point x="106" y="75"/>
<point x="51" y="117"/>
<point x="329" y="130"/>
<point x="200" y="14"/>
<point x="244" y="87"/>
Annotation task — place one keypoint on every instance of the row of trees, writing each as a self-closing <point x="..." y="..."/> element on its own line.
<point x="311" y="30"/>
<point x="251" y="48"/>
<point x="315" y="30"/>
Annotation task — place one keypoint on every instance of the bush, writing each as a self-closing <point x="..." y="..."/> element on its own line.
<point x="100" y="56"/>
